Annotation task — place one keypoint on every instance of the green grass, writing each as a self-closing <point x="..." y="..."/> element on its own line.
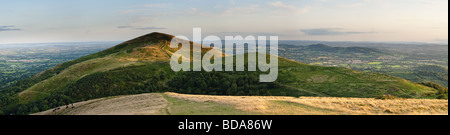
<point x="308" y="80"/>
<point x="184" y="107"/>
<point x="9" y="72"/>
<point x="341" y="82"/>
<point x="69" y="76"/>
<point x="13" y="63"/>
<point x="375" y="63"/>
<point x="343" y="65"/>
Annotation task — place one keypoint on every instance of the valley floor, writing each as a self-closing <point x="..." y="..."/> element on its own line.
<point x="183" y="104"/>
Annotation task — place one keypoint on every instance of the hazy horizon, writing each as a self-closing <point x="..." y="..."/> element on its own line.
<point x="424" y="21"/>
<point x="280" y="41"/>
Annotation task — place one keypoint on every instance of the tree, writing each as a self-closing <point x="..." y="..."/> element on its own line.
<point x="442" y="96"/>
<point x="268" y="93"/>
<point x="240" y="93"/>
<point x="229" y="92"/>
<point x="283" y="93"/>
<point x="35" y="109"/>
<point x="195" y="90"/>
<point x="162" y="75"/>
<point x="203" y="85"/>
<point x="234" y="88"/>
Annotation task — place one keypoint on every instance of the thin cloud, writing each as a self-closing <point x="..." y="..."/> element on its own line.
<point x="361" y="3"/>
<point x="156" y="5"/>
<point x="247" y="34"/>
<point x="123" y="27"/>
<point x="143" y="8"/>
<point x="140" y="28"/>
<point x="353" y="5"/>
<point x="290" y="8"/>
<point x="239" y="11"/>
<point x="426" y="2"/>
<point x="331" y="31"/>
<point x="150" y="28"/>
<point x="9" y="28"/>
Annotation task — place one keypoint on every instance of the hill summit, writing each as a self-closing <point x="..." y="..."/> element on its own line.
<point x="141" y="65"/>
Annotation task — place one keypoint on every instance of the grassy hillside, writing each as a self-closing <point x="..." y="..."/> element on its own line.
<point x="417" y="66"/>
<point x="141" y="66"/>
<point x="145" y="104"/>
<point x="184" y="104"/>
<point x="268" y="105"/>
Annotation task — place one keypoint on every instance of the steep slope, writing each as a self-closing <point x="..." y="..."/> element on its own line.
<point x="141" y="66"/>
<point x="146" y="49"/>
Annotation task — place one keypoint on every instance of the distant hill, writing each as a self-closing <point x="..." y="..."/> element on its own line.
<point x="141" y="66"/>
<point x="414" y="63"/>
<point x="330" y="49"/>
<point x="432" y="72"/>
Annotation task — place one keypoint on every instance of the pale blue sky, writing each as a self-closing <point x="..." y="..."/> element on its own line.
<point x="31" y="21"/>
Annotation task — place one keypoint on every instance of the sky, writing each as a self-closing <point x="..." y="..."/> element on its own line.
<point x="32" y="21"/>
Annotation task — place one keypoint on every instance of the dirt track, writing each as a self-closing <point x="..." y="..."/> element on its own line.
<point x="143" y="104"/>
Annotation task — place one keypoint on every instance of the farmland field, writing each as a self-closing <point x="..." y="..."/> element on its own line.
<point x="416" y="63"/>
<point x="21" y="61"/>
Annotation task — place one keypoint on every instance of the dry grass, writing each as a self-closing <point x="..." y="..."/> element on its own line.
<point x="151" y="104"/>
<point x="149" y="53"/>
<point x="143" y="104"/>
<point x="326" y="105"/>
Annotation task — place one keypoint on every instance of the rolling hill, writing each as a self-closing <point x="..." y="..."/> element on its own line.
<point x="142" y="65"/>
